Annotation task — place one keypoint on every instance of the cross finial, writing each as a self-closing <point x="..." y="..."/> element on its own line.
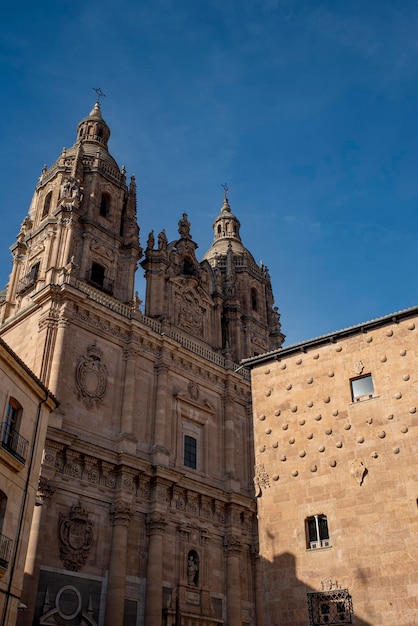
<point x="99" y="93"/>
<point x="226" y="190"/>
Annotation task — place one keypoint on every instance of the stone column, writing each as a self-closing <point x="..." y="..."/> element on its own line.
<point x="154" y="591"/>
<point x="115" y="601"/>
<point x="34" y="554"/>
<point x="233" y="582"/>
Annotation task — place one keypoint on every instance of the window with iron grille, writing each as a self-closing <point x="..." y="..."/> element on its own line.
<point x="190" y="452"/>
<point x="330" y="607"/>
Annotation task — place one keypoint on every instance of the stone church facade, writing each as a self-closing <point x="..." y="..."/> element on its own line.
<point x="148" y="512"/>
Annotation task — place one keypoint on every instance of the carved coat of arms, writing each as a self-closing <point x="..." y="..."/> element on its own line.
<point x="91" y="377"/>
<point x="75" y="533"/>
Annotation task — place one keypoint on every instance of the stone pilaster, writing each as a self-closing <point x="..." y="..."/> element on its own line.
<point x="120" y="514"/>
<point x="34" y="556"/>
<point x="233" y="585"/>
<point x="156" y="524"/>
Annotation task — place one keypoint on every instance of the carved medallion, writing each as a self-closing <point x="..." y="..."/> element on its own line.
<point x="91" y="377"/>
<point x="75" y="533"/>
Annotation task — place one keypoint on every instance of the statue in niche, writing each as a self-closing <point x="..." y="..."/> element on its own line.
<point x="192" y="569"/>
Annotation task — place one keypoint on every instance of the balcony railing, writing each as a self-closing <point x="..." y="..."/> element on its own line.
<point x="5" y="551"/>
<point x="14" y="443"/>
<point x="28" y="280"/>
<point x="100" y="282"/>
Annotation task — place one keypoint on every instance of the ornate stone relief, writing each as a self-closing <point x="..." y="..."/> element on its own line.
<point x="91" y="377"/>
<point x="261" y="479"/>
<point x="190" y="314"/>
<point x="75" y="534"/>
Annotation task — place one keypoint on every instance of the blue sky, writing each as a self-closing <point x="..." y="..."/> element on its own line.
<point x="308" y="110"/>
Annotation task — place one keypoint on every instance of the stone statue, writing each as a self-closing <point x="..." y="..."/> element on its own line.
<point x="151" y="241"/>
<point x="162" y="241"/>
<point x="192" y="571"/>
<point x="184" y="226"/>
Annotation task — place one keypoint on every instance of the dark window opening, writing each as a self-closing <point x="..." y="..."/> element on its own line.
<point x="105" y="205"/>
<point x="11" y="440"/>
<point x="97" y="274"/>
<point x="362" y="388"/>
<point x="317" y="533"/>
<point x="188" y="268"/>
<point x="47" y="204"/>
<point x="190" y="452"/>
<point x="254" y="299"/>
<point x="97" y="277"/>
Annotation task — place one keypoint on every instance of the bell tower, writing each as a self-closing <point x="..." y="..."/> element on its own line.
<point x="82" y="221"/>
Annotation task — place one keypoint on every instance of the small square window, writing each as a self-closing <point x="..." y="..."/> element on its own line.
<point x="362" y="388"/>
<point x="190" y="452"/>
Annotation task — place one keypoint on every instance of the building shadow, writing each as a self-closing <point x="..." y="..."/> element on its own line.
<point x="289" y="601"/>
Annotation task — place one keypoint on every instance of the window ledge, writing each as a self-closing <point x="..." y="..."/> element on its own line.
<point x="318" y="548"/>
<point x="9" y="459"/>
<point x="362" y="399"/>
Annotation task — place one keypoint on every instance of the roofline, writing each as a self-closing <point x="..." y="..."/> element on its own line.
<point x="302" y="346"/>
<point x="28" y="371"/>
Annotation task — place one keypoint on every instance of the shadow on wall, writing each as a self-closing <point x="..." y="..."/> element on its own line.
<point x="288" y="601"/>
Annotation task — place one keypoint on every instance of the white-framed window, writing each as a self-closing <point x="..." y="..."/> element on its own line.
<point x="362" y="388"/>
<point x="317" y="533"/>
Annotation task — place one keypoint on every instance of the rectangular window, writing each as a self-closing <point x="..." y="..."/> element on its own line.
<point x="362" y="388"/>
<point x="190" y="452"/>
<point x="317" y="534"/>
<point x="11" y="440"/>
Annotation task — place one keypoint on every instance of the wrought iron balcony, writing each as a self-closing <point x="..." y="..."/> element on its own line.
<point x="28" y="280"/>
<point x="5" y="551"/>
<point x="14" y="443"/>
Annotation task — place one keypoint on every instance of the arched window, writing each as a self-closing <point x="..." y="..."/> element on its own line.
<point x="47" y="204"/>
<point x="105" y="205"/>
<point x="219" y="229"/>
